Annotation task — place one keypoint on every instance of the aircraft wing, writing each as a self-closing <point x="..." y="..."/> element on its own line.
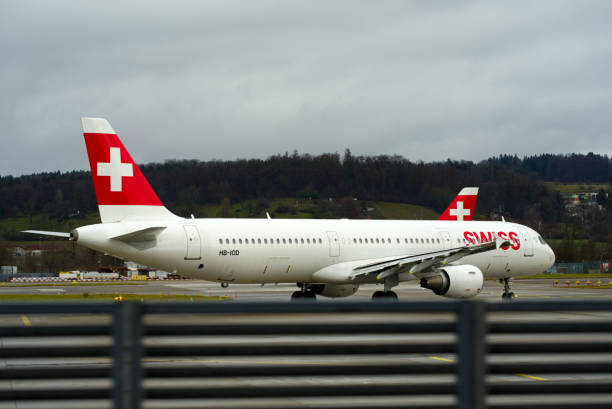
<point x="420" y="265"/>
<point x="421" y="262"/>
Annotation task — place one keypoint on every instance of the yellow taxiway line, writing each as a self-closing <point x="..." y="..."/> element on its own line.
<point x="536" y="378"/>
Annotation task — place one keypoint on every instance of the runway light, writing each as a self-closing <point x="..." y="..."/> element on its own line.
<point x="577" y="282"/>
<point x="588" y="282"/>
<point x="556" y="282"/>
<point x="567" y="282"/>
<point x="598" y="283"/>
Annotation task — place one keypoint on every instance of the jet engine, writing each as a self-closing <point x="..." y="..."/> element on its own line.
<point x="334" y="290"/>
<point x="464" y="281"/>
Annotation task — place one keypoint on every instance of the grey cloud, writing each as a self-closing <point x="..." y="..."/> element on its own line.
<point x="203" y="80"/>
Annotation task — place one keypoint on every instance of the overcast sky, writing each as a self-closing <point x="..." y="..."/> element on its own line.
<point x="427" y="80"/>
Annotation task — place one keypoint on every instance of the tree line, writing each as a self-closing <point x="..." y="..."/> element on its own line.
<point x="509" y="186"/>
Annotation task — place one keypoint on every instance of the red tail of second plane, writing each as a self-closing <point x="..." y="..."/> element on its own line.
<point x="462" y="208"/>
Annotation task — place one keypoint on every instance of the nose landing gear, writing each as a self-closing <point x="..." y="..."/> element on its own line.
<point x="507" y="295"/>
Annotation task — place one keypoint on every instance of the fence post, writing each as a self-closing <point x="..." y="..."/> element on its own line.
<point x="127" y="354"/>
<point x="471" y="355"/>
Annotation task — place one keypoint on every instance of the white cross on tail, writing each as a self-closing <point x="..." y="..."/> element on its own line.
<point x="459" y="212"/>
<point x="115" y="169"/>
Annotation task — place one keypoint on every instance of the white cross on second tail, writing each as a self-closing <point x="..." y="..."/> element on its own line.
<point x="459" y="211"/>
<point x="115" y="169"/>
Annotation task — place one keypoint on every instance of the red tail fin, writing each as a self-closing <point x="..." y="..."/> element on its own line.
<point x="462" y="208"/>
<point x="121" y="188"/>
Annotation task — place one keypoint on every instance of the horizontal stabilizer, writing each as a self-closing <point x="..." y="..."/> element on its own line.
<point x="147" y="234"/>
<point x="48" y="233"/>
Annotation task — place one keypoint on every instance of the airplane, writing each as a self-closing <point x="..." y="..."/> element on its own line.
<point x="462" y="207"/>
<point x="330" y="258"/>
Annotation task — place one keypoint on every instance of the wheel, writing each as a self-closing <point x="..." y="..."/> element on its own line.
<point x="309" y="295"/>
<point x="508" y="297"/>
<point x="224" y="285"/>
<point x="377" y="295"/>
<point x="297" y="295"/>
<point x="391" y="295"/>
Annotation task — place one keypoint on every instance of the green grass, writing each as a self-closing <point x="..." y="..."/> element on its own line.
<point x="77" y="284"/>
<point x="568" y="276"/>
<point x="402" y="211"/>
<point x="299" y="209"/>
<point x="577" y="187"/>
<point x="14" y="225"/>
<point x="107" y="297"/>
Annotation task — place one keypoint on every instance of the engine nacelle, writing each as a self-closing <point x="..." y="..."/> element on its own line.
<point x="464" y="281"/>
<point x="334" y="290"/>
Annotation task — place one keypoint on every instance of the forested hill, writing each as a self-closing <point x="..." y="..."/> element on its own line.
<point x="509" y="185"/>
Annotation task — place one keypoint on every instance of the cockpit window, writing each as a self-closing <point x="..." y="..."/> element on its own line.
<point x="541" y="240"/>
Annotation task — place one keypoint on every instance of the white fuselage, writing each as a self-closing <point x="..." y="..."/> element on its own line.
<point x="287" y="250"/>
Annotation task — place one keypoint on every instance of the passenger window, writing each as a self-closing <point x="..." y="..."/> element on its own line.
<point x="302" y="241"/>
<point x="265" y="241"/>
<point x="284" y="241"/>
<point x="308" y="241"/>
<point x="220" y="241"/>
<point x="226" y="241"/>
<point x="422" y="241"/>
<point x="359" y="241"/>
<point x="240" y="241"/>
<point x="258" y="241"/>
<point x="233" y="241"/>
<point x="289" y="240"/>
<point x="277" y="241"/>
<point x="320" y="241"/>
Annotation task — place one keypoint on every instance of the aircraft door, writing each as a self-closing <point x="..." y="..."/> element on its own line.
<point x="194" y="248"/>
<point x="334" y="244"/>
<point x="527" y="243"/>
<point x="446" y="239"/>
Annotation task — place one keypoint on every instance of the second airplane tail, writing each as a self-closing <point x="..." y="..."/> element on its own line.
<point x="462" y="208"/>
<point x="122" y="191"/>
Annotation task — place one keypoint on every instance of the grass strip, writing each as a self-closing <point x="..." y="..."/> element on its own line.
<point x="109" y="297"/>
<point x="564" y="276"/>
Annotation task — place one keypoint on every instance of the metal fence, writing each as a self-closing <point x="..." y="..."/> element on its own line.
<point x="325" y="355"/>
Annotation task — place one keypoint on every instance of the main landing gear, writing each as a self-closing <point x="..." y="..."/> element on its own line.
<point x="507" y="296"/>
<point x="305" y="293"/>
<point x="384" y="295"/>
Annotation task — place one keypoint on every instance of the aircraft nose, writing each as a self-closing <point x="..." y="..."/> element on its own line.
<point x="551" y="255"/>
